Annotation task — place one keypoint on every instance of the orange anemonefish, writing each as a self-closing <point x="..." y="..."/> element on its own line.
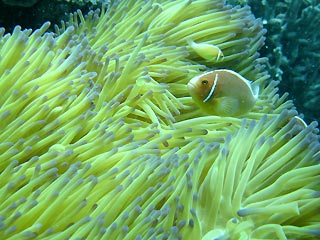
<point x="223" y="92"/>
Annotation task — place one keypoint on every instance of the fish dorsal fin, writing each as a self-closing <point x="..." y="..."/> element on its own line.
<point x="227" y="106"/>
<point x="253" y="87"/>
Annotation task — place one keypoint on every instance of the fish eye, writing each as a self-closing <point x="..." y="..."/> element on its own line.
<point x="204" y="82"/>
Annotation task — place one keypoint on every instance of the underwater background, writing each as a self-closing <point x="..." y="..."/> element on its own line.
<point x="292" y="39"/>
<point x="101" y="137"/>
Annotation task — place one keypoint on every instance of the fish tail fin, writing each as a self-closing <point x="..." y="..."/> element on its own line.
<point x="255" y="89"/>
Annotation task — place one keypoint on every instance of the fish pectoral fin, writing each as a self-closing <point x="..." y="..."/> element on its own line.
<point x="227" y="106"/>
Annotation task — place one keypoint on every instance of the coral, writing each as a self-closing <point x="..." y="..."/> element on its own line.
<point x="100" y="138"/>
<point x="292" y="47"/>
<point x="82" y="2"/>
<point x="34" y="16"/>
<point x="29" y="3"/>
<point x="21" y="3"/>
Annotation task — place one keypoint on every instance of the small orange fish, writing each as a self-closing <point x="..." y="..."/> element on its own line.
<point x="223" y="92"/>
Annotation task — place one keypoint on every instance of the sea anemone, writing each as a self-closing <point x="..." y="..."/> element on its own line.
<point x="101" y="140"/>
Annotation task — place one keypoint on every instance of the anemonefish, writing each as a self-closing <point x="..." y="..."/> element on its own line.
<point x="300" y="122"/>
<point x="223" y="92"/>
<point x="207" y="51"/>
